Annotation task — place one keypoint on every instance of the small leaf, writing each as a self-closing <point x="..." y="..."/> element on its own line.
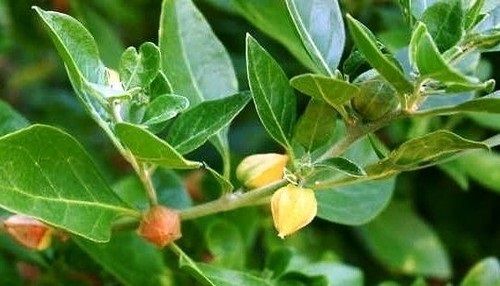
<point x="418" y="7"/>
<point x="272" y="94"/>
<point x="472" y="14"/>
<point x="10" y="120"/>
<point x="444" y="21"/>
<point x="425" y="55"/>
<point x="367" y="45"/>
<point x="316" y="127"/>
<point x="428" y="149"/>
<point x="224" y="184"/>
<point x="159" y="86"/>
<point x="402" y="241"/>
<point x="146" y="147"/>
<point x="334" y="91"/>
<point x="484" y="273"/>
<point x="321" y="29"/>
<point x="164" y="107"/>
<point x="139" y="69"/>
<point x="343" y="165"/>
<point x="217" y="236"/>
<point x="194" y="127"/>
<point x="129" y="258"/>
<point x="46" y="174"/>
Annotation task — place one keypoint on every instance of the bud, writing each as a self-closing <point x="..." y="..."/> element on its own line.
<point x="259" y="170"/>
<point x="29" y="232"/>
<point x="375" y="100"/>
<point x="292" y="208"/>
<point x="160" y="226"/>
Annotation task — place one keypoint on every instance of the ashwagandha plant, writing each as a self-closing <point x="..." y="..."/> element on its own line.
<point x="168" y="99"/>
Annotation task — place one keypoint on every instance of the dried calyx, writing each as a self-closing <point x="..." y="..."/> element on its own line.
<point x="160" y="226"/>
<point x="29" y="232"/>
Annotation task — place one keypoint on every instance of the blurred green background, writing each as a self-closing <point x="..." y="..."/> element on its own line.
<point x="463" y="212"/>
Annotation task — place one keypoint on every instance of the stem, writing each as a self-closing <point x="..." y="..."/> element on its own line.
<point x="231" y="201"/>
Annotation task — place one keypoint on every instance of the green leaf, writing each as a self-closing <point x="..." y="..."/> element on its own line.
<point x="225" y="243"/>
<point x="425" y="150"/>
<point x="146" y="147"/>
<point x="482" y="167"/>
<point x="444" y="21"/>
<point x="425" y="55"/>
<point x="8" y="273"/>
<point x="193" y="59"/>
<point x="472" y="14"/>
<point x="366" y="43"/>
<point x="46" y="174"/>
<point x="224" y="184"/>
<point x="354" y="204"/>
<point x="272" y="94"/>
<point x="491" y="121"/>
<point x="402" y="241"/>
<point x="139" y="69"/>
<point x="10" y="120"/>
<point x="186" y="263"/>
<point x="164" y="107"/>
<point x="129" y="258"/>
<point x="484" y="273"/>
<point x="227" y="277"/>
<point x="194" y="127"/>
<point x="80" y="54"/>
<point x="488" y="104"/>
<point x="159" y="86"/>
<point x="321" y="29"/>
<point x="456" y="173"/>
<point x="316" y="127"/>
<point x="343" y="165"/>
<point x="335" y="273"/>
<point x="272" y="18"/>
<point x="334" y="91"/>
<point x="418" y="7"/>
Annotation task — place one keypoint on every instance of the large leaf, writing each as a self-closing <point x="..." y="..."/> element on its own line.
<point x="46" y="174"/>
<point x="487" y="104"/>
<point x="272" y="94"/>
<point x="354" y="204"/>
<point x="193" y="128"/>
<point x="129" y="258"/>
<point x="402" y="241"/>
<point x="272" y="18"/>
<point x="316" y="127"/>
<point x="146" y="147"/>
<point x="444" y="20"/>
<point x="425" y="150"/>
<point x="425" y="55"/>
<point x="484" y="273"/>
<point x="80" y="54"/>
<point x="334" y="91"/>
<point x="194" y="60"/>
<point x="10" y="120"/>
<point x="139" y="69"/>
<point x="321" y="28"/>
<point x="367" y="45"/>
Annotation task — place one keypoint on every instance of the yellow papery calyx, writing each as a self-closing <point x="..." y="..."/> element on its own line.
<point x="258" y="170"/>
<point x="293" y="208"/>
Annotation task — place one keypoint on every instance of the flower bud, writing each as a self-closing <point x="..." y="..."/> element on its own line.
<point x="292" y="208"/>
<point x="375" y="100"/>
<point x="259" y="170"/>
<point x="29" y="232"/>
<point x="160" y="226"/>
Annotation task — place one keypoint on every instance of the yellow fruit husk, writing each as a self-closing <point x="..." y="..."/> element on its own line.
<point x="292" y="208"/>
<point x="258" y="170"/>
